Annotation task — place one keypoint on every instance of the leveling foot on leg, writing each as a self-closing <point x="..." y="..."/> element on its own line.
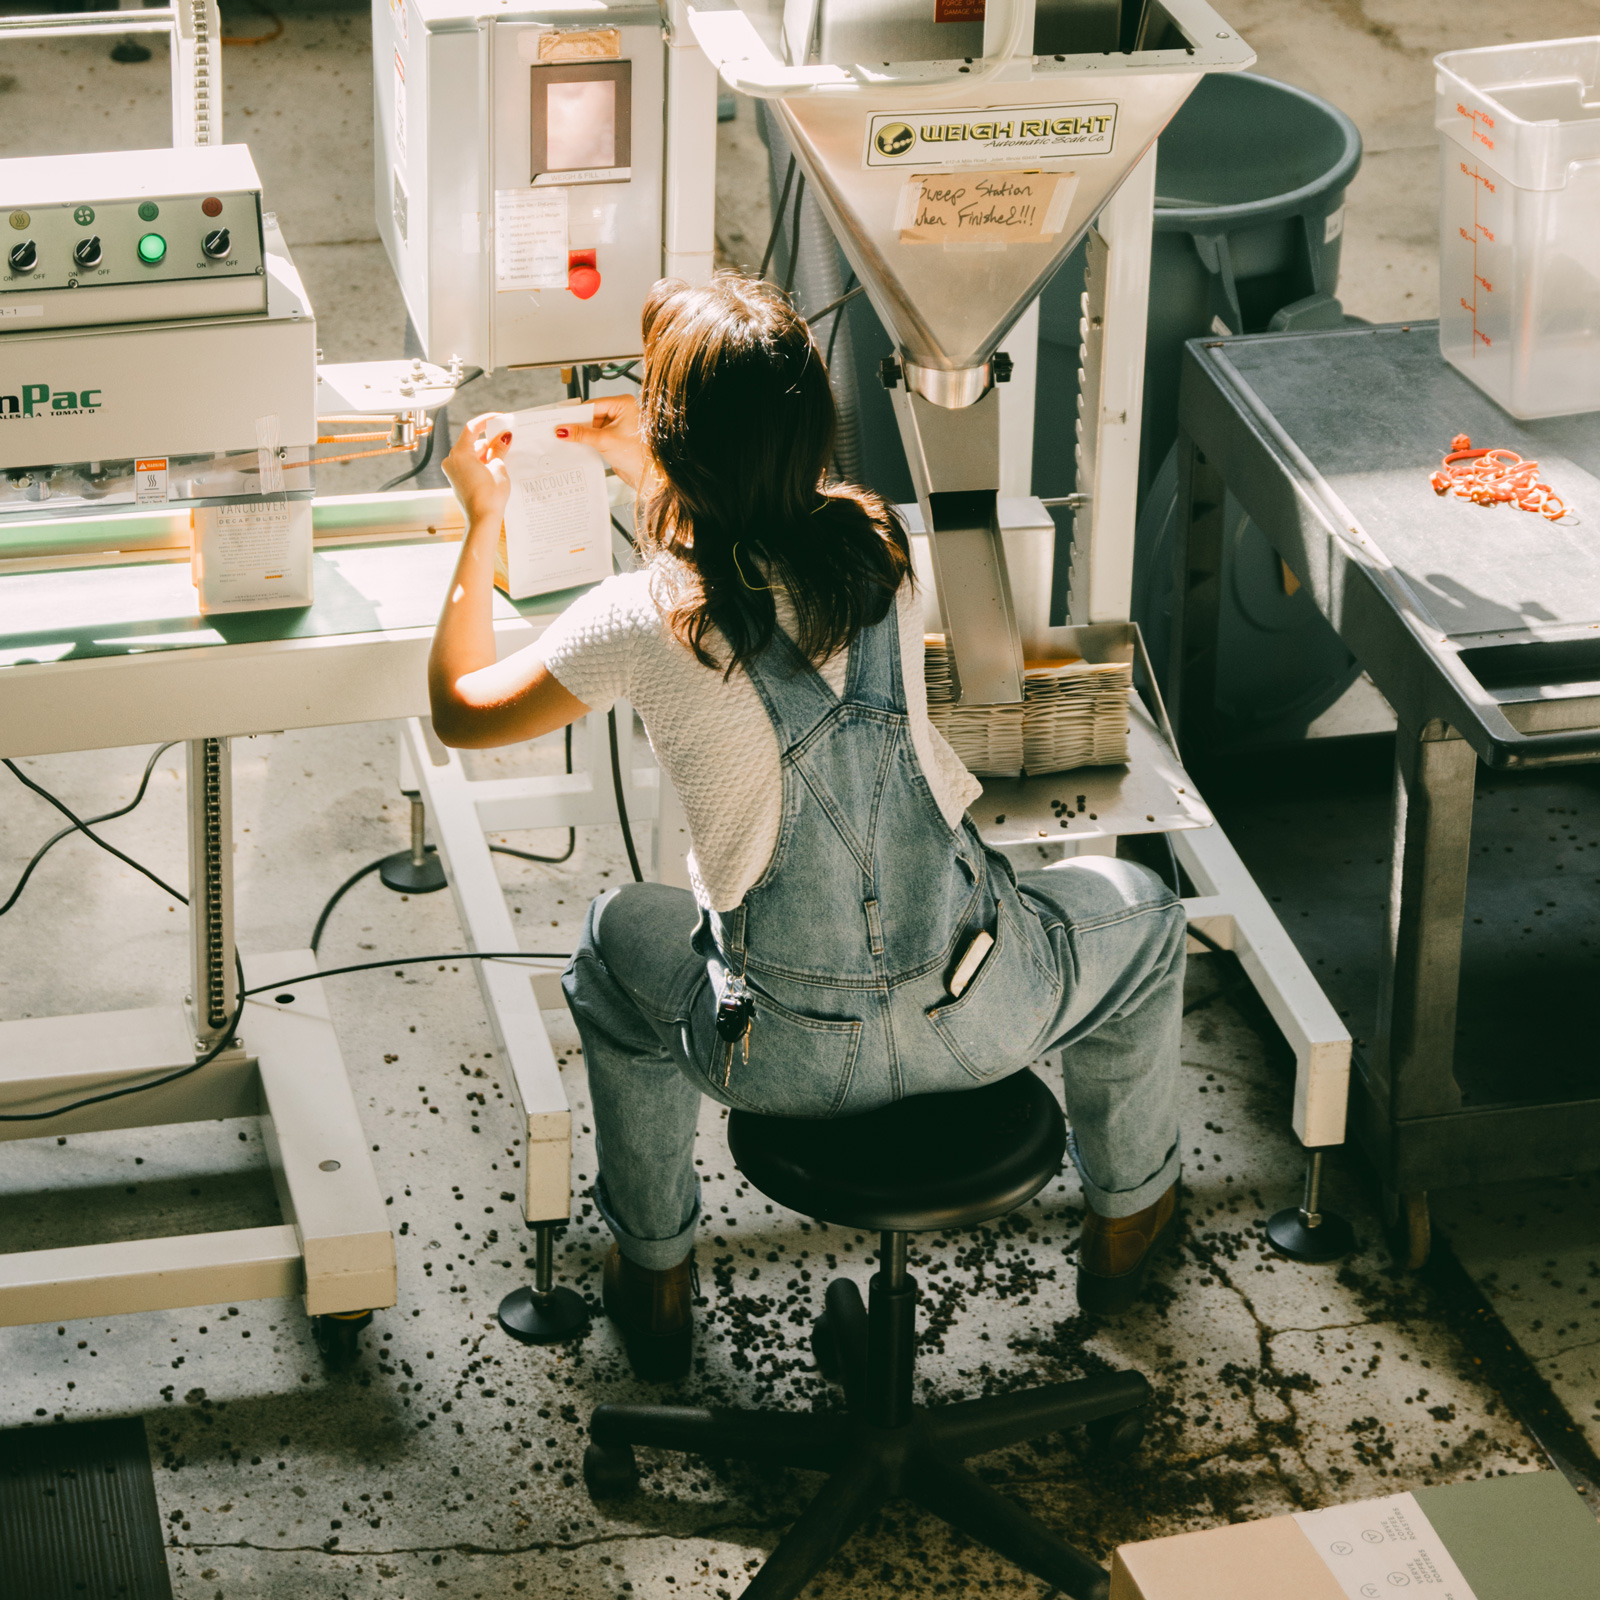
<point x="544" y="1314"/>
<point x="1306" y="1232"/>
<point x="419" y="869"/>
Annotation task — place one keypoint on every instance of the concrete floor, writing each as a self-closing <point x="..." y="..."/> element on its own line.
<point x="447" y="1461"/>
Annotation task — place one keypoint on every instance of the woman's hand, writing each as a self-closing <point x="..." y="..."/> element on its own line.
<point x="615" y="435"/>
<point x="476" y="468"/>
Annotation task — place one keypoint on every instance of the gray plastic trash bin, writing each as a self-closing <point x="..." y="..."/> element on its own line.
<point x="1250" y="185"/>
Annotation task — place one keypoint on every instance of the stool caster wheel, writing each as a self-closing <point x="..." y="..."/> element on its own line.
<point x="1116" y="1438"/>
<point x="1409" y="1228"/>
<point x="338" y="1337"/>
<point x="610" y="1472"/>
<point x="826" y="1349"/>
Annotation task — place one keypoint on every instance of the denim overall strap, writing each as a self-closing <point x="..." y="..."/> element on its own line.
<point x="797" y="697"/>
<point x="873" y="677"/>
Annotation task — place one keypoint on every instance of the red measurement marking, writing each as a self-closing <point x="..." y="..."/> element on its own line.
<point x="1480" y="120"/>
<point x="1478" y="231"/>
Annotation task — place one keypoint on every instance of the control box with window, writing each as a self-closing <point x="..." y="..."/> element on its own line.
<point x="538" y="171"/>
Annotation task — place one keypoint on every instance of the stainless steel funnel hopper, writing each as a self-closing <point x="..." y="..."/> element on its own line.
<point x="956" y="188"/>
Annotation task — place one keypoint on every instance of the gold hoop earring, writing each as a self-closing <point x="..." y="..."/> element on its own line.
<point x="754" y="588"/>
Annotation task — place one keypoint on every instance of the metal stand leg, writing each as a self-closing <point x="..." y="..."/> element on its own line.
<point x="1434" y="772"/>
<point x="544" y="1314"/>
<point x="213" y="981"/>
<point x="1310" y="1233"/>
<point x="414" y="871"/>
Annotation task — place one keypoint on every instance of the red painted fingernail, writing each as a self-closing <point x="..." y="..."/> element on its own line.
<point x="561" y="433"/>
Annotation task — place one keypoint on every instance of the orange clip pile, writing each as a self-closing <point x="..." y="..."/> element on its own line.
<point x="1495" y="477"/>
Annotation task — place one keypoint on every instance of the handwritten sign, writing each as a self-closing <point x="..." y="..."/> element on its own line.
<point x="985" y="207"/>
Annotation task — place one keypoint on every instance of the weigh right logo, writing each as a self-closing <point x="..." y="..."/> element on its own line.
<point x="894" y="138"/>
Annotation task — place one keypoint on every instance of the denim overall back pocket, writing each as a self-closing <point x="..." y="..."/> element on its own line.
<point x="799" y="1066"/>
<point x="998" y="1019"/>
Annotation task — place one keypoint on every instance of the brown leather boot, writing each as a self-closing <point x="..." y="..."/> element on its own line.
<point x="1113" y="1253"/>
<point x="653" y="1312"/>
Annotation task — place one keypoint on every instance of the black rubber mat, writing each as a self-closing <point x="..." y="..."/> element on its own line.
<point x="78" y="1516"/>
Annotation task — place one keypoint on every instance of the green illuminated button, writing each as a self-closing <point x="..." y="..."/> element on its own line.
<point x="83" y="216"/>
<point x="149" y="211"/>
<point x="152" y="248"/>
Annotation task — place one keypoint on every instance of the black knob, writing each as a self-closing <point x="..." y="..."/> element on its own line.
<point x="24" y="257"/>
<point x="889" y="372"/>
<point x="217" y="243"/>
<point x="1000" y="366"/>
<point x="86" y="252"/>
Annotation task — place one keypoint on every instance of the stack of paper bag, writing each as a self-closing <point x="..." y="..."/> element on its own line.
<point x="1074" y="713"/>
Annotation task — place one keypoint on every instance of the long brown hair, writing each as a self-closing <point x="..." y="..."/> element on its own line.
<point x="738" y="419"/>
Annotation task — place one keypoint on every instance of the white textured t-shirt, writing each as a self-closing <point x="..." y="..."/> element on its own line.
<point x="712" y="735"/>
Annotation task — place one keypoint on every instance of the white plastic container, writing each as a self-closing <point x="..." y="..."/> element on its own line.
<point x="1519" y="215"/>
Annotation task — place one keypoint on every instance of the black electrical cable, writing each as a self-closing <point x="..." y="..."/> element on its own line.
<point x="777" y="221"/>
<point x="622" y="804"/>
<point x="468" y="375"/>
<point x="833" y="333"/>
<point x="338" y="895"/>
<point x="422" y="465"/>
<point x="834" y="305"/>
<point x="105" y="816"/>
<point x="280" y="985"/>
<point x="498" y="849"/>
<point x="211" y="1055"/>
<point x="226" y="1038"/>
<point x="794" y="238"/>
<point x="80" y="826"/>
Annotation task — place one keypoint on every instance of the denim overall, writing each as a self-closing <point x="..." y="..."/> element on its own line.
<point x="847" y="944"/>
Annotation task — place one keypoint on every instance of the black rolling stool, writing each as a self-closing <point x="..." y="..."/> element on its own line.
<point x="933" y="1161"/>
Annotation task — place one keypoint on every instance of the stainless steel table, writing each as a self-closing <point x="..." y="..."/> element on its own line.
<point x="1481" y="626"/>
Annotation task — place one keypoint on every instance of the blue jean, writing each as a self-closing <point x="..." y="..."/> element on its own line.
<point x="643" y="1002"/>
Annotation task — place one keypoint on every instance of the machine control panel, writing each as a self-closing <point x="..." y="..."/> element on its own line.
<point x="71" y="245"/>
<point x="130" y="236"/>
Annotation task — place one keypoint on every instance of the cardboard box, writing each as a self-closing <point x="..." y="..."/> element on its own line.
<point x="1528" y="1536"/>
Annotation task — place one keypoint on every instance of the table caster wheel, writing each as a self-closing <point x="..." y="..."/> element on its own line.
<point x="1116" y="1438"/>
<point x="610" y="1472"/>
<point x="1409" y="1228"/>
<point x="338" y="1337"/>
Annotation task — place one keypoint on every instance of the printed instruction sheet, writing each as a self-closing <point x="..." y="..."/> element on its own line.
<point x="530" y="239"/>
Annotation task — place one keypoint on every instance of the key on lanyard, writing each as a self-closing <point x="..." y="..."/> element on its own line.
<point x="735" y="1014"/>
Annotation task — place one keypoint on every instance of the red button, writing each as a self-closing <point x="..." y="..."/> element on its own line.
<point x="211" y="207"/>
<point x="583" y="276"/>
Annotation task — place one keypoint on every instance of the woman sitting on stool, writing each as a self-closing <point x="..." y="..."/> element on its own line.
<point x="772" y="643"/>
